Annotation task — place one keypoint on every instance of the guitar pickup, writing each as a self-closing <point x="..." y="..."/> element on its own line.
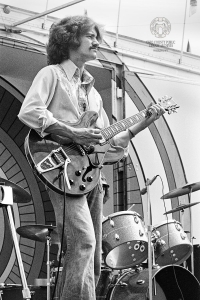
<point x="55" y="159"/>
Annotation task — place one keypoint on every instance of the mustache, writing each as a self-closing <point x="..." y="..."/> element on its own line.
<point x="94" y="47"/>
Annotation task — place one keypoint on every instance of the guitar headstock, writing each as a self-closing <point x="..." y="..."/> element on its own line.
<point x="168" y="104"/>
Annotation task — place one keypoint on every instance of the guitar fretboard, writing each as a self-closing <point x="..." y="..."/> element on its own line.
<point x="114" y="129"/>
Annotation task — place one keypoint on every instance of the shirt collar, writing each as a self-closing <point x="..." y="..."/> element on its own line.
<point x="70" y="70"/>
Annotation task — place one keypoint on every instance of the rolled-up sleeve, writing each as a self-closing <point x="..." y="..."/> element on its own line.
<point x="34" y="112"/>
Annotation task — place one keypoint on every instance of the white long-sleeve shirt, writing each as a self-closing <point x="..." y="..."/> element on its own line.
<point x="53" y="96"/>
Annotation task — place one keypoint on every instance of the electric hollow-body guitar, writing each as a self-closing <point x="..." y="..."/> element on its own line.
<point x="73" y="169"/>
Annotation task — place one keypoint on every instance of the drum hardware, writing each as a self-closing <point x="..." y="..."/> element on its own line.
<point x="124" y="240"/>
<point x="106" y="281"/>
<point x="112" y="222"/>
<point x="41" y="233"/>
<point x="173" y="245"/>
<point x="184" y="190"/>
<point x="168" y="282"/>
<point x="189" y="188"/>
<point x="181" y="207"/>
<point x="155" y="236"/>
<point x="13" y="291"/>
<point x="10" y="193"/>
<point x="116" y="237"/>
<point x="140" y="282"/>
<point x="151" y="256"/>
<point x="120" y="283"/>
<point x="53" y="274"/>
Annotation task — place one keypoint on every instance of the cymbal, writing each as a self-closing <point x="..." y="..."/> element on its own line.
<point x="19" y="194"/>
<point x="180" y="207"/>
<point x="186" y="189"/>
<point x="39" y="233"/>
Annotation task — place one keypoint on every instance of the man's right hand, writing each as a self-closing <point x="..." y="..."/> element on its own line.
<point x="86" y="136"/>
<point x="82" y="136"/>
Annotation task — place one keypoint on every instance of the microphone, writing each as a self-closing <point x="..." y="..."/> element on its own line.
<point x="144" y="190"/>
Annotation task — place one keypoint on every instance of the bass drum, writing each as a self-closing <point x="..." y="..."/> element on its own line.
<point x="169" y="283"/>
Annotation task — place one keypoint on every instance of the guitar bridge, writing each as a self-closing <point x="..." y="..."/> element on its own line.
<point x="55" y="159"/>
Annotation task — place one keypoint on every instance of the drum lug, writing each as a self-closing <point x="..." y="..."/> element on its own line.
<point x="104" y="236"/>
<point x="161" y="242"/>
<point x="123" y="284"/>
<point x="156" y="266"/>
<point x="138" y="269"/>
<point x="136" y="219"/>
<point x="178" y="227"/>
<point x="117" y="236"/>
<point x="141" y="233"/>
<point x="140" y="282"/>
<point x="112" y="223"/>
<point x="183" y="236"/>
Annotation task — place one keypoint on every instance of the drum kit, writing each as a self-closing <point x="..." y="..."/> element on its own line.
<point x="126" y="247"/>
<point x="125" y="252"/>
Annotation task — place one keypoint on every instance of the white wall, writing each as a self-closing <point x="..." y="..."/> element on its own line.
<point x="185" y="126"/>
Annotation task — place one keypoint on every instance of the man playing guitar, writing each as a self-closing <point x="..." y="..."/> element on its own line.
<point x="59" y="105"/>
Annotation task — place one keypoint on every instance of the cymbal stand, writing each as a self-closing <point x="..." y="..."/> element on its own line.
<point x="8" y="202"/>
<point x="48" y="264"/>
<point x="149" y="226"/>
<point x="182" y="223"/>
<point x="191" y="231"/>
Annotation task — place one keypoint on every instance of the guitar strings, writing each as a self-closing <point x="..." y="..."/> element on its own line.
<point x="112" y="130"/>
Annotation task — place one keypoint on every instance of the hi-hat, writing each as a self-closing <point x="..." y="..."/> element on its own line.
<point x="180" y="207"/>
<point x="19" y="194"/>
<point x="186" y="189"/>
<point x="39" y="233"/>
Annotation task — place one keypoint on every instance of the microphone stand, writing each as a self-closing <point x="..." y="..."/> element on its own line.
<point x="191" y="234"/>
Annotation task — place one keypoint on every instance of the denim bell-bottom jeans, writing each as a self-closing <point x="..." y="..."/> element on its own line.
<point x="81" y="243"/>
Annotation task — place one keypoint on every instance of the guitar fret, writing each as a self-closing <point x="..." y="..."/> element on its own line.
<point x="107" y="133"/>
<point x="120" y="126"/>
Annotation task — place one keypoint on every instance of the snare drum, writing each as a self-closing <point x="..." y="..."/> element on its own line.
<point x="124" y="240"/>
<point x="172" y="246"/>
<point x="169" y="283"/>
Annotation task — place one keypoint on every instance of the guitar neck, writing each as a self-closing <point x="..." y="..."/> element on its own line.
<point x="114" y="129"/>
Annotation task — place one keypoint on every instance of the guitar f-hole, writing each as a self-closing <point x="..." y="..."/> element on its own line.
<point x="89" y="169"/>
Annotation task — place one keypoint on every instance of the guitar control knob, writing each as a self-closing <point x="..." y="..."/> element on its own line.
<point x="89" y="179"/>
<point x="90" y="149"/>
<point x="71" y="181"/>
<point x="78" y="173"/>
<point x="82" y="187"/>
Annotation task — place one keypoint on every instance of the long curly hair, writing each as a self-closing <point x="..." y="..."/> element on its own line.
<point x="65" y="35"/>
